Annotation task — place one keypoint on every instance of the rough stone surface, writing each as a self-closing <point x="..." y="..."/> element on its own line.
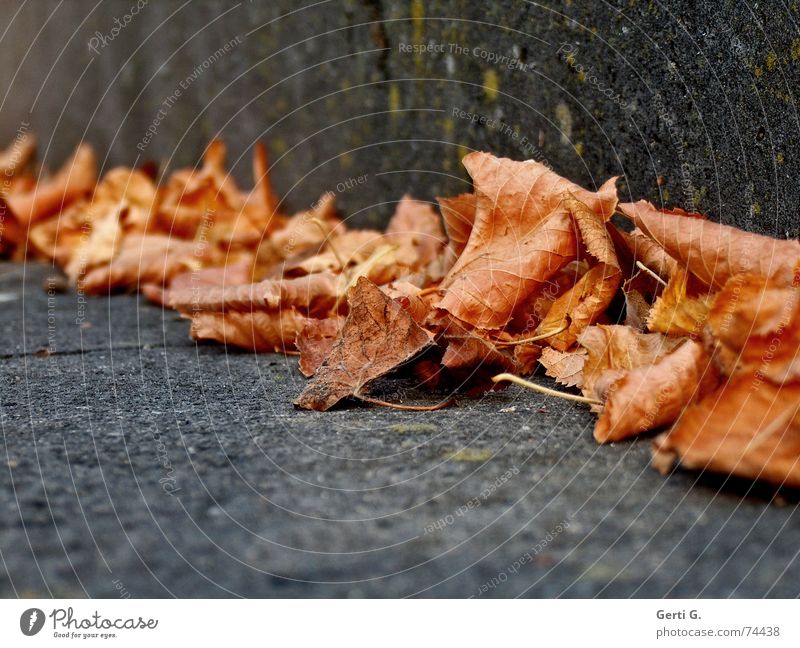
<point x="691" y="102"/>
<point x="106" y="406"/>
<point x="268" y="501"/>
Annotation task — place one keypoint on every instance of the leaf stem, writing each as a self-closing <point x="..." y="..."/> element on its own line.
<point x="329" y="242"/>
<point x="428" y="291"/>
<point x="411" y="408"/>
<point x="507" y="377"/>
<point x="655" y="276"/>
<point x="535" y="338"/>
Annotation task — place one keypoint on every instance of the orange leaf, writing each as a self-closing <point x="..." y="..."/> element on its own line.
<point x="458" y="214"/>
<point x="314" y="294"/>
<point x="620" y="348"/>
<point x="565" y="366"/>
<point x="316" y="341"/>
<point x="675" y="313"/>
<point x="417" y="228"/>
<point x="149" y="258"/>
<point x="470" y="358"/>
<point x="714" y="252"/>
<point x="754" y="326"/>
<point x="522" y="236"/>
<point x="588" y="300"/>
<point x="749" y="427"/>
<point x="653" y="396"/>
<point x="74" y="180"/>
<point x="260" y="331"/>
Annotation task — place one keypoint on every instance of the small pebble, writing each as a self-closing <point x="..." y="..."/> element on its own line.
<point x="56" y="284"/>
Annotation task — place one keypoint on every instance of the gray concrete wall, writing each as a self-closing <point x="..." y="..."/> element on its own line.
<point x="691" y="101"/>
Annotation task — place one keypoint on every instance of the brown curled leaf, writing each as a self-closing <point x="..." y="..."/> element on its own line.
<point x="522" y="236"/>
<point x="262" y="199"/>
<point x="74" y="180"/>
<point x="470" y="358"/>
<point x="650" y="254"/>
<point x="637" y="308"/>
<point x="149" y="258"/>
<point x="259" y="331"/>
<point x="713" y="252"/>
<point x="530" y="313"/>
<point x="754" y="326"/>
<point x="581" y="306"/>
<point x="266" y="316"/>
<point x="749" y="427"/>
<point x="620" y="348"/>
<point x="416" y="228"/>
<point x="89" y="232"/>
<point x="308" y="230"/>
<point x="314" y="294"/>
<point x="378" y="336"/>
<point x="588" y="300"/>
<point x="652" y="396"/>
<point x="526" y="357"/>
<point x="565" y="366"/>
<point x="339" y="253"/>
<point x="234" y="274"/>
<point x="316" y="341"/>
<point x="408" y="296"/>
<point x="675" y="312"/>
<point x="458" y="214"/>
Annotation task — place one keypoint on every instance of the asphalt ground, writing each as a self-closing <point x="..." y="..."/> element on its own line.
<point x="135" y="462"/>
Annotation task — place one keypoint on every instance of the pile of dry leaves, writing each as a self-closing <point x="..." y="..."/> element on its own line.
<point x="675" y="323"/>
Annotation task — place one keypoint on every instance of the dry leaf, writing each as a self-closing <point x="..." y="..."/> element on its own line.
<point x="194" y="198"/>
<point x="305" y="231"/>
<point x="487" y="289"/>
<point x="378" y="336"/>
<point x="458" y="214"/>
<point x="88" y="232"/>
<point x="650" y="254"/>
<point x="714" y="252"/>
<point x="207" y="204"/>
<point x="637" y="308"/>
<point x="263" y="199"/>
<point x="565" y="366"/>
<point x="675" y="312"/>
<point x="581" y="306"/>
<point x="416" y="228"/>
<point x="470" y="358"/>
<point x="620" y="348"/>
<point x="530" y="313"/>
<point x="652" y="396"/>
<point x="314" y="294"/>
<point x="341" y="252"/>
<point x="749" y="427"/>
<point x="148" y="259"/>
<point x="588" y="300"/>
<point x="234" y="274"/>
<point x="315" y="342"/>
<point x="522" y="236"/>
<point x="526" y="357"/>
<point x="266" y="316"/>
<point x="408" y="296"/>
<point x="260" y="331"/>
<point x="74" y="180"/>
<point x="754" y="326"/>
